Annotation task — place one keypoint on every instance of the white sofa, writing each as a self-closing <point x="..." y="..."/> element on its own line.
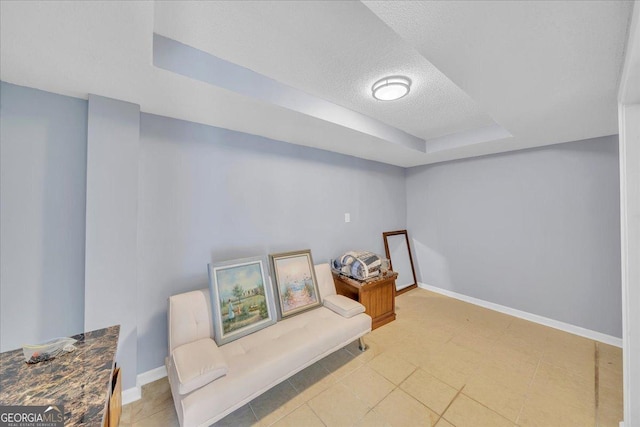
<point x="209" y="382"/>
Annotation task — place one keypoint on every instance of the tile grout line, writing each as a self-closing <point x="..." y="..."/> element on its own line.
<point x="399" y="387"/>
<point x="254" y="412"/>
<point x="415" y="368"/>
<point x="285" y="415"/>
<point x="526" y="397"/>
<point x="315" y="413"/>
<point x="597" y="381"/>
<point x="450" y="403"/>
<point x="487" y="407"/>
<point x="133" y="418"/>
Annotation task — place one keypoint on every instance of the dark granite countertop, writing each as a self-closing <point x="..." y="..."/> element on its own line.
<point x="78" y="380"/>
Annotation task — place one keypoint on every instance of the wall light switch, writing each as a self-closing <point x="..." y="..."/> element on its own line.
<point x="347" y="217"/>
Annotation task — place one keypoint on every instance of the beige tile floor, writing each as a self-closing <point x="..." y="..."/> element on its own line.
<point x="442" y="363"/>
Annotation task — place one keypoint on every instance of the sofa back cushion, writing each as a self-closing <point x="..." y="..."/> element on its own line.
<point x="189" y="318"/>
<point x="325" y="280"/>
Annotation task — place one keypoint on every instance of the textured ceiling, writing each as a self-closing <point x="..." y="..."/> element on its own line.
<point x="547" y="72"/>
<point x="334" y="50"/>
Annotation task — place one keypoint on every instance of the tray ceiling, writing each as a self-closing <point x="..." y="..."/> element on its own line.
<point x="487" y="76"/>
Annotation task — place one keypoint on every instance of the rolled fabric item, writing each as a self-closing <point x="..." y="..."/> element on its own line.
<point x="361" y="265"/>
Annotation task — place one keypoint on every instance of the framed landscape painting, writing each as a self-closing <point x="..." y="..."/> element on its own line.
<point x="241" y="298"/>
<point x="295" y="282"/>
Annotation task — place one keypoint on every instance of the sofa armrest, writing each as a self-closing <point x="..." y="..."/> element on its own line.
<point x="197" y="364"/>
<point x="345" y="307"/>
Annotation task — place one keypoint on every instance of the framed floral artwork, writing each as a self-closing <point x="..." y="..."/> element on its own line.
<point x="296" y="288"/>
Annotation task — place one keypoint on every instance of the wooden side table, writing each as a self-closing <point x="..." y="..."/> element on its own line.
<point x="378" y="296"/>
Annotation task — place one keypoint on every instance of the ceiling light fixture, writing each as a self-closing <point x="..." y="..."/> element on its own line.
<point x="391" y="88"/>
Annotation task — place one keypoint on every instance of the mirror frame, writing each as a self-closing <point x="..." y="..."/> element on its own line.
<point x="388" y="255"/>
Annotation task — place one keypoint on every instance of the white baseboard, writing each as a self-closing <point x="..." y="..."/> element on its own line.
<point x="135" y="393"/>
<point x="151" y="376"/>
<point x="572" y="329"/>
<point x="131" y="395"/>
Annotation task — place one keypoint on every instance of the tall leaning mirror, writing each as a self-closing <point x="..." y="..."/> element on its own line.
<point x="397" y="249"/>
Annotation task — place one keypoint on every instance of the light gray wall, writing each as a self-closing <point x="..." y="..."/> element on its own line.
<point x="208" y="194"/>
<point x="111" y="263"/>
<point x="43" y="153"/>
<point x="536" y="230"/>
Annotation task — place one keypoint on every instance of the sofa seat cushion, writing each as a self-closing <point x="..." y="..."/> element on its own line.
<point x="197" y="364"/>
<point x="263" y="359"/>
<point x="345" y="307"/>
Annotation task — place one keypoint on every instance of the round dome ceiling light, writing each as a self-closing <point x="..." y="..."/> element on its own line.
<point x="391" y="88"/>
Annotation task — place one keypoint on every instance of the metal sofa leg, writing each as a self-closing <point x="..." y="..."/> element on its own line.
<point x="362" y="345"/>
